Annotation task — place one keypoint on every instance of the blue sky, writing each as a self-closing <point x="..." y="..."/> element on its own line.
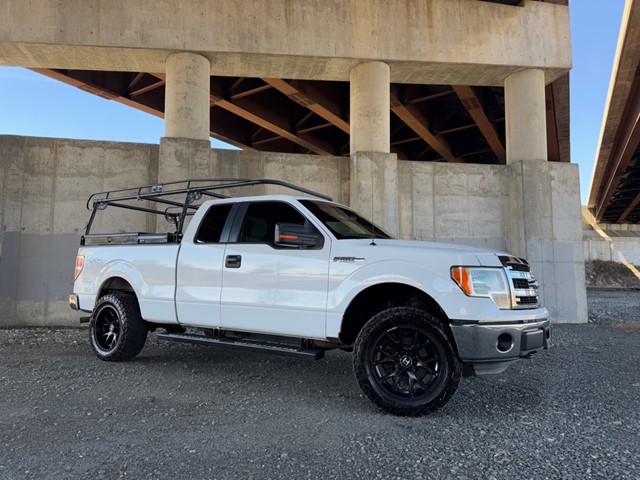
<point x="34" y="105"/>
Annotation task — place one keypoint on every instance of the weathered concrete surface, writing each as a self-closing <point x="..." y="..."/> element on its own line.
<point x="527" y="208"/>
<point x="182" y="158"/>
<point x="45" y="185"/>
<point x="374" y="188"/>
<point x="544" y="226"/>
<point x="187" y="104"/>
<point x="370" y="115"/>
<point x="431" y="41"/>
<point x="526" y="116"/>
<point x="610" y="242"/>
<point x="454" y="203"/>
<point x="530" y="209"/>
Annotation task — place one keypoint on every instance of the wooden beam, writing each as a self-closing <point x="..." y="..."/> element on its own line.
<point x="272" y="121"/>
<point x="417" y="122"/>
<point x="146" y="89"/>
<point x="471" y="101"/>
<point x="251" y="91"/>
<point x="135" y="81"/>
<point x="553" y="146"/>
<point x="223" y="134"/>
<point x="433" y="96"/>
<point x="269" y="120"/>
<point x="309" y="99"/>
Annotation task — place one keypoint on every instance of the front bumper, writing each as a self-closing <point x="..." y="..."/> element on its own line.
<point x="491" y="348"/>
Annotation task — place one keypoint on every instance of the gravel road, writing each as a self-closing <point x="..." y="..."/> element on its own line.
<point x="190" y="412"/>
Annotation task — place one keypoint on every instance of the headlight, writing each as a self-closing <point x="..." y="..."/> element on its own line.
<point x="484" y="282"/>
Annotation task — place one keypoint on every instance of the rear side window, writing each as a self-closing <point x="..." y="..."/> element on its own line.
<point x="213" y="224"/>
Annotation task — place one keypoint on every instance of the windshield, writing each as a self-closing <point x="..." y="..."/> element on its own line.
<point x="343" y="223"/>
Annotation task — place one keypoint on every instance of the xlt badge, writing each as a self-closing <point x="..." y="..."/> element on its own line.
<point x="348" y="259"/>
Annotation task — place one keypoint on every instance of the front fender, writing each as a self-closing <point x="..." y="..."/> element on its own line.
<point x="344" y="286"/>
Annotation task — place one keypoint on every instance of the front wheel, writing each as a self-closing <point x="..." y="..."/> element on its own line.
<point x="405" y="362"/>
<point x="117" y="331"/>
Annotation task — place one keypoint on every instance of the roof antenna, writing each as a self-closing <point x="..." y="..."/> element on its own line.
<point x="373" y="233"/>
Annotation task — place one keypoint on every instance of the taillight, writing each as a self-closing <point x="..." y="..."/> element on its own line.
<point x="79" y="266"/>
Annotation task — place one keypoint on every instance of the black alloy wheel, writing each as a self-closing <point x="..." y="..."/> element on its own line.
<point x="117" y="331"/>
<point x="107" y="328"/>
<point x="405" y="362"/>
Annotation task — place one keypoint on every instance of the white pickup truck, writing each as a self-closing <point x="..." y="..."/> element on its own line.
<point x="299" y="275"/>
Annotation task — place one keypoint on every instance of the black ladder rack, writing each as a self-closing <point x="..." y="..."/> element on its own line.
<point x="192" y="190"/>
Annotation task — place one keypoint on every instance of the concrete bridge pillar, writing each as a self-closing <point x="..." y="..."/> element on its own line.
<point x="374" y="170"/>
<point x="370" y="114"/>
<point x="526" y="116"/>
<point x="187" y="96"/>
<point x="543" y="221"/>
<point x="185" y="148"/>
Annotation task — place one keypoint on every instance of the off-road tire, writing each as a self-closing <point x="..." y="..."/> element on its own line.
<point x="117" y="331"/>
<point x="405" y="362"/>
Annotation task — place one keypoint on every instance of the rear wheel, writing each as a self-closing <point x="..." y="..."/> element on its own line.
<point x="117" y="331"/>
<point x="405" y="362"/>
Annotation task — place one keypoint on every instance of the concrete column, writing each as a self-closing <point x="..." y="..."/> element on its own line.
<point x="374" y="188"/>
<point x="185" y="149"/>
<point x="374" y="171"/>
<point x="543" y="220"/>
<point x="370" y="108"/>
<point x="526" y="116"/>
<point x="187" y="96"/>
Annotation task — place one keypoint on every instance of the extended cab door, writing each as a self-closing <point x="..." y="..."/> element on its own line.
<point x="199" y="268"/>
<point x="269" y="288"/>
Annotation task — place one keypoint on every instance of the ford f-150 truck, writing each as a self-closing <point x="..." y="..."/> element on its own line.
<point x="299" y="275"/>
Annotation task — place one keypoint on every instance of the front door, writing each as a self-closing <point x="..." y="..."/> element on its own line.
<point x="273" y="289"/>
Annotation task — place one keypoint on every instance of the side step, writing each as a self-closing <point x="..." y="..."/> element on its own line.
<point x="245" y="344"/>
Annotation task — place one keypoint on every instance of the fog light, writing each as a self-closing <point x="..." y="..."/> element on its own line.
<point x="505" y="343"/>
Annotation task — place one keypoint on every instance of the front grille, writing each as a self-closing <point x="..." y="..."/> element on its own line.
<point x="519" y="267"/>
<point x="520" y="283"/>
<point x="523" y="283"/>
<point x="527" y="301"/>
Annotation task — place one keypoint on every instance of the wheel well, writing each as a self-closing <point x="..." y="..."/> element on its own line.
<point x="115" y="285"/>
<point x="377" y="298"/>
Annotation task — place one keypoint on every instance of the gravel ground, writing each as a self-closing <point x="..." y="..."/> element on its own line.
<point x="190" y="412"/>
<point x="616" y="308"/>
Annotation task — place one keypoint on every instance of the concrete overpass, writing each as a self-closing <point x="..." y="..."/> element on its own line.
<point x="614" y="197"/>
<point x="378" y="55"/>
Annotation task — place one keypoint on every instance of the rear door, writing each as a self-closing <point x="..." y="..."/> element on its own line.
<point x="273" y="289"/>
<point x="199" y="268"/>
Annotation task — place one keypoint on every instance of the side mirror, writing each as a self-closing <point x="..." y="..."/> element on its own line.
<point x="294" y="235"/>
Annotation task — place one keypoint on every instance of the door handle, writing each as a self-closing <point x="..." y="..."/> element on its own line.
<point x="233" y="261"/>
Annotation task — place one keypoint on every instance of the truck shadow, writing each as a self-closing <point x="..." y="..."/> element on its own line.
<point x="220" y="373"/>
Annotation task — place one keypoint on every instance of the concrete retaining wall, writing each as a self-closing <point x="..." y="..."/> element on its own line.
<point x="621" y="250"/>
<point x="455" y="203"/>
<point x="44" y="184"/>
<point x="610" y="242"/>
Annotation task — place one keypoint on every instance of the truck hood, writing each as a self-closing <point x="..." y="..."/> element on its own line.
<point x="414" y="250"/>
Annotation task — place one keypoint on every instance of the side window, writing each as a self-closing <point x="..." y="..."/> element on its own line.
<point x="259" y="224"/>
<point x="213" y="223"/>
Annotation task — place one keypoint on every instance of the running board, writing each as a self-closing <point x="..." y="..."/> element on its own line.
<point x="245" y="344"/>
